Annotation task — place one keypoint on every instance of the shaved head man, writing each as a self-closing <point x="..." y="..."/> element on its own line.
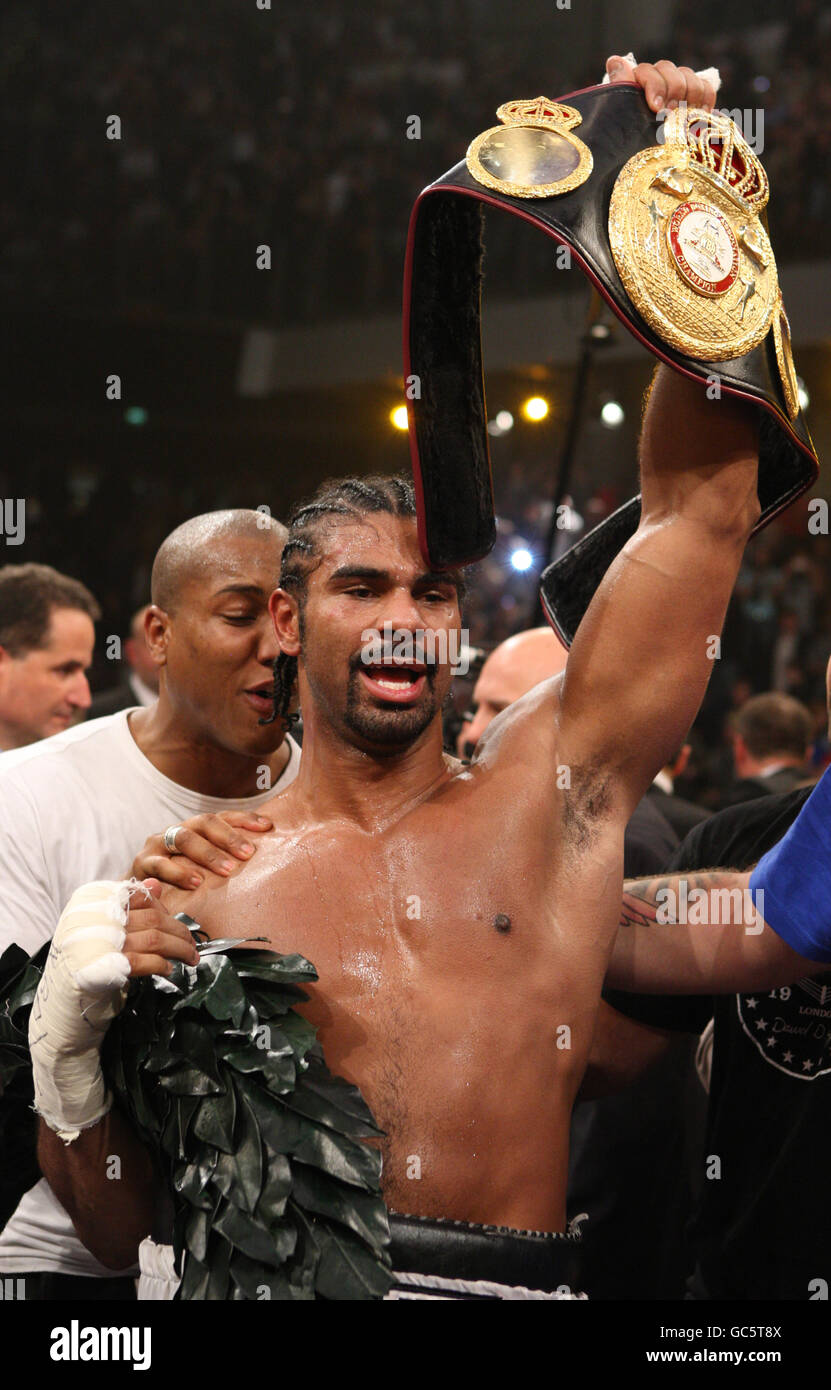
<point x="511" y="670"/>
<point x="80" y="805"/>
<point x="209" y="633"/>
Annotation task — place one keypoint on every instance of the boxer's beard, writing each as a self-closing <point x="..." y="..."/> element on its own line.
<point x="395" y="727"/>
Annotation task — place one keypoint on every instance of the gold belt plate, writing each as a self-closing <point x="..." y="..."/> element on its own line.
<point x="533" y="154"/>
<point x="695" y="261"/>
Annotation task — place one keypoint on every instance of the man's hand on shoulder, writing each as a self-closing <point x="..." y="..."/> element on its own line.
<point x="204" y="842"/>
<point x="665" y="85"/>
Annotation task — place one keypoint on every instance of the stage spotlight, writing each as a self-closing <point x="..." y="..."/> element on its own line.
<point x="802" y="393"/>
<point x="504" y="419"/>
<point x="612" y="414"/>
<point x="398" y="417"/>
<point x="535" y="408"/>
<point x="521" y="558"/>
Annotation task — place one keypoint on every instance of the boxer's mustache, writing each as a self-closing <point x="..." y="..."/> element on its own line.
<point x="427" y="648"/>
<point x="385" y="657"/>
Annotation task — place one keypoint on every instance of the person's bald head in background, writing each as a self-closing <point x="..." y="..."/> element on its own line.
<point x="512" y="669"/>
<point x="209" y="631"/>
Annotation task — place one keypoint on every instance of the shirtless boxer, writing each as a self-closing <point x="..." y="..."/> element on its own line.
<point x="459" y="992"/>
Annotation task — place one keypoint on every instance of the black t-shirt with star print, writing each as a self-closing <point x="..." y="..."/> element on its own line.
<point x="762" y="1229"/>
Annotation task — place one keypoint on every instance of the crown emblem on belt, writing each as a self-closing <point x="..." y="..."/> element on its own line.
<point x="539" y="111"/>
<point x="718" y="151"/>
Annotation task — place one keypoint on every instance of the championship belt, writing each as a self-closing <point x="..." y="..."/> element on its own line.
<point x="672" y="236"/>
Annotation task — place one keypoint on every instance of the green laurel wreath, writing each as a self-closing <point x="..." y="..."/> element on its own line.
<point x="275" y="1193"/>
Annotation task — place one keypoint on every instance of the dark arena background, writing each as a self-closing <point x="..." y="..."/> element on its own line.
<point x="203" y="220"/>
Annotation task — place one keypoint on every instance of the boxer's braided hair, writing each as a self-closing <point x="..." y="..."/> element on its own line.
<point x="349" y="499"/>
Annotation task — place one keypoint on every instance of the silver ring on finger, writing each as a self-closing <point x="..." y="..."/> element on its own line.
<point x="170" y="838"/>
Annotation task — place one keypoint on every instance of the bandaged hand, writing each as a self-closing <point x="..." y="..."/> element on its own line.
<point x="108" y="932"/>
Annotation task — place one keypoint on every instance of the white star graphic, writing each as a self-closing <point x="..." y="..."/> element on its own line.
<point x="761" y="1023"/>
<point x="752" y="1003"/>
<point x="771" y="1041"/>
<point x="787" y="1056"/>
<point x="806" y="1066"/>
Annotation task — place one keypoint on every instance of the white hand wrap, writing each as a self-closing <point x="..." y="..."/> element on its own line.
<point x="81" y="991"/>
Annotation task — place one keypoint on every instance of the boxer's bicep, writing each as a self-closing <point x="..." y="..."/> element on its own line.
<point x="645" y="650"/>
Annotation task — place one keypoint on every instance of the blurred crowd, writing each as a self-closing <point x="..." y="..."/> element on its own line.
<point x="290" y="128"/>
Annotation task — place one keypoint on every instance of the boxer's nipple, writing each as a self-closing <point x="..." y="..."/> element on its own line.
<point x="502" y="922"/>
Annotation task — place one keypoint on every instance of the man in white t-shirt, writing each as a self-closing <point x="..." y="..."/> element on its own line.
<point x="78" y="806"/>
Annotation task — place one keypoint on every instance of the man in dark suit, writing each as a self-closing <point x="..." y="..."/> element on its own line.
<point x="770" y="736"/>
<point x="140" y="682"/>
<point x="682" y="815"/>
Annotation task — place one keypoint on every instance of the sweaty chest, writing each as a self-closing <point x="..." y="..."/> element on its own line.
<point x="449" y="966"/>
<point x="425" y="934"/>
<point x="375" y="907"/>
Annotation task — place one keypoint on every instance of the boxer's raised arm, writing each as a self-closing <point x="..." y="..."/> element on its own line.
<point x="644" y="652"/>
<point x="699" y="933"/>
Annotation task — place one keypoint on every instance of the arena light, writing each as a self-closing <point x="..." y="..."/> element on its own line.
<point x="802" y="393"/>
<point x="535" y="408"/>
<point x="398" y="417"/>
<point x="504" y="420"/>
<point x="521" y="559"/>
<point x="135" y="415"/>
<point x="612" y="414"/>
